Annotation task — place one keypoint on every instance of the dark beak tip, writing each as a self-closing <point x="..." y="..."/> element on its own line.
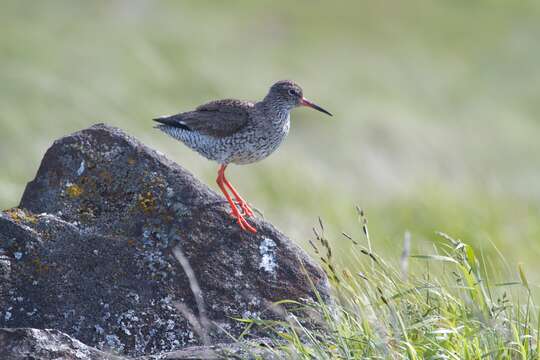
<point x="325" y="112"/>
<point x="315" y="106"/>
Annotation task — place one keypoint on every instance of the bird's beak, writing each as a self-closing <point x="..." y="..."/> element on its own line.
<point x="305" y="102"/>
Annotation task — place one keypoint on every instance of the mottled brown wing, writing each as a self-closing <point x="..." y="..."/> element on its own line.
<point x="218" y="118"/>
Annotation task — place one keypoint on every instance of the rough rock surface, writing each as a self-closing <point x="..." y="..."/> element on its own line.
<point x="89" y="251"/>
<point x="247" y="350"/>
<point x="48" y="344"/>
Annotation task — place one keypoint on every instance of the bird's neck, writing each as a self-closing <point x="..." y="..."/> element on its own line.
<point x="279" y="113"/>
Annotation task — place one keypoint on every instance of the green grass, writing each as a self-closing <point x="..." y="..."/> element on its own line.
<point x="449" y="307"/>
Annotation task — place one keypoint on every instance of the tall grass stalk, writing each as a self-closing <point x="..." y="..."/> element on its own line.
<point x="451" y="310"/>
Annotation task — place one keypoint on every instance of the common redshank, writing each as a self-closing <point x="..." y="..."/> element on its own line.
<point x="239" y="132"/>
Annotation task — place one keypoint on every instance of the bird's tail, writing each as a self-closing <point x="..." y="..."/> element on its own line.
<point x="173" y="121"/>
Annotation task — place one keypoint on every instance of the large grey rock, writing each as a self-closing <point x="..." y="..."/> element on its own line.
<point x="90" y="252"/>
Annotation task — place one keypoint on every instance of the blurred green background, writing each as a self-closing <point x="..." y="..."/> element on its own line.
<point x="436" y="105"/>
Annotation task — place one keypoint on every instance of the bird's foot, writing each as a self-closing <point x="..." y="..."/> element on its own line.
<point x="242" y="222"/>
<point x="246" y="209"/>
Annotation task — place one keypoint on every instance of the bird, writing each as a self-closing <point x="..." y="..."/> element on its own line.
<point x="238" y="132"/>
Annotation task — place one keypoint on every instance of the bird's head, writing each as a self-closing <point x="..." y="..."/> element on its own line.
<point x="289" y="94"/>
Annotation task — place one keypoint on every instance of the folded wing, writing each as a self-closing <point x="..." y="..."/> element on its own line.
<point x="220" y="118"/>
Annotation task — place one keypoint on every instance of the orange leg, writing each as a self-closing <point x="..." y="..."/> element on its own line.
<point x="243" y="203"/>
<point x="222" y="183"/>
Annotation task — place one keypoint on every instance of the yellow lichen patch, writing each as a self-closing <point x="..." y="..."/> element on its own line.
<point x="106" y="176"/>
<point x="147" y="202"/>
<point x="74" y="190"/>
<point x="39" y="266"/>
<point x="131" y="242"/>
<point x="131" y="161"/>
<point x="20" y="215"/>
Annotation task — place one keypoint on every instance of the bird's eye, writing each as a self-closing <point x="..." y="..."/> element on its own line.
<point x="293" y="92"/>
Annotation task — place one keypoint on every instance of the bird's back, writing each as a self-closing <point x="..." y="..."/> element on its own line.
<point x="218" y="119"/>
<point x="211" y="129"/>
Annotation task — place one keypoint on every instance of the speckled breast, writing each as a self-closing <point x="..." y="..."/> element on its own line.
<point x="259" y="143"/>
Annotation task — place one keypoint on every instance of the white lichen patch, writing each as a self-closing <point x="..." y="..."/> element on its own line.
<point x="134" y="296"/>
<point x="99" y="329"/>
<point x="250" y="315"/>
<point x="114" y="343"/>
<point x="254" y="301"/>
<point x="18" y="255"/>
<point x="80" y="170"/>
<point x="110" y="153"/>
<point x="267" y="249"/>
